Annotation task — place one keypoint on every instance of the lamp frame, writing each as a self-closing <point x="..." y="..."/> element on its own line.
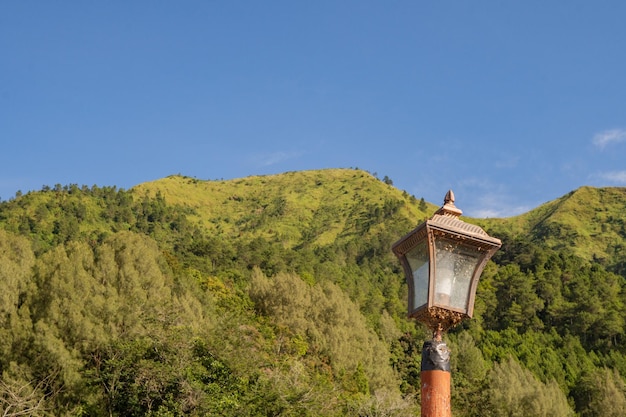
<point x="444" y="224"/>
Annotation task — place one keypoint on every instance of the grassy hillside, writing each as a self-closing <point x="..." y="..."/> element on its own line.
<point x="322" y="206"/>
<point x="289" y="207"/>
<point x="588" y="222"/>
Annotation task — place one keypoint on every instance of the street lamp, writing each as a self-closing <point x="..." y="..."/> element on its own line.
<point x="443" y="259"/>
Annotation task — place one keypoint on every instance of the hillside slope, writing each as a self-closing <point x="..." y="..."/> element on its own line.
<point x="316" y="207"/>
<point x="321" y="206"/>
<point x="588" y="222"/>
<point x="279" y="295"/>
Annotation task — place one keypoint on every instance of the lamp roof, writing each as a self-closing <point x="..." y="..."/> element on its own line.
<point x="446" y="219"/>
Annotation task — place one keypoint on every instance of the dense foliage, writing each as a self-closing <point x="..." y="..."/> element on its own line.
<point x="279" y="295"/>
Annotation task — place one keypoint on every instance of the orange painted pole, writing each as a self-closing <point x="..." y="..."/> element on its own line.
<point x="435" y="380"/>
<point x="436" y="394"/>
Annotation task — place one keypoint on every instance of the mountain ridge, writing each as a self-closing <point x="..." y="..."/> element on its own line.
<point x="586" y="220"/>
<point x="323" y="200"/>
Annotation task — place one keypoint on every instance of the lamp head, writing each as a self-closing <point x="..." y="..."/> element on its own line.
<point x="443" y="259"/>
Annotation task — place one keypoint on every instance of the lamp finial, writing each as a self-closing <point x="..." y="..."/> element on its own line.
<point x="448" y="208"/>
<point x="449" y="198"/>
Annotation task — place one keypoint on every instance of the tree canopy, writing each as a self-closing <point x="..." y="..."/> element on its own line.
<point x="279" y="295"/>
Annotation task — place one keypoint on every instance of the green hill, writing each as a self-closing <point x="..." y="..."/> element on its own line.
<point x="279" y="295"/>
<point x="307" y="207"/>
<point x="320" y="207"/>
<point x="588" y="222"/>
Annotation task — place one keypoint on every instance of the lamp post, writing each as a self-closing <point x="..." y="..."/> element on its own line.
<point x="443" y="259"/>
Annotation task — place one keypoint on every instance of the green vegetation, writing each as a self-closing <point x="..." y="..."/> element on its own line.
<point x="279" y="296"/>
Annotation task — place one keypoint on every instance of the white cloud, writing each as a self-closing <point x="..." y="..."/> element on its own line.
<point x="614" y="177"/>
<point x="273" y="158"/>
<point x="500" y="212"/>
<point x="608" y="137"/>
<point x="481" y="198"/>
<point x="493" y="205"/>
<point x="507" y="162"/>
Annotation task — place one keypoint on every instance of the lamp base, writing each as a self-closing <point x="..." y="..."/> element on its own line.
<point x="438" y="319"/>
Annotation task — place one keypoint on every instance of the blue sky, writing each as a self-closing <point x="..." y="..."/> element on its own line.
<point x="509" y="104"/>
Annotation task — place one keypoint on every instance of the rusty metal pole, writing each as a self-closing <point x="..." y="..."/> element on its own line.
<point x="435" y="378"/>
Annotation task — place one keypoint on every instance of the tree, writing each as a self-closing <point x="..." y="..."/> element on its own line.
<point x="21" y="399"/>
<point x="469" y="370"/>
<point x="515" y="392"/>
<point x="16" y="289"/>
<point x="330" y="324"/>
<point x="422" y="205"/>
<point x="16" y="262"/>
<point x="518" y="302"/>
<point x="601" y="393"/>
